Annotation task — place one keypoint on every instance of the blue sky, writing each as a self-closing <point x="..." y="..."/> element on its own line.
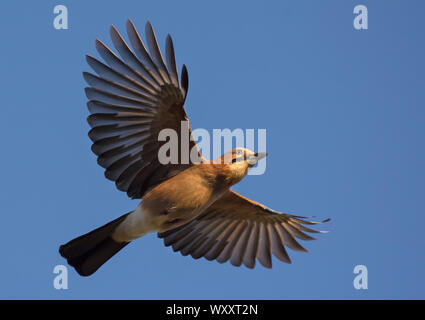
<point x="345" y="117"/>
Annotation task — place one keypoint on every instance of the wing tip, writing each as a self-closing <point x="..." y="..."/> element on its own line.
<point x="148" y="24"/>
<point x="87" y="91"/>
<point x="112" y="28"/>
<point x="86" y="76"/>
<point x="130" y="26"/>
<point x="267" y="265"/>
<point x="169" y="39"/>
<point x="114" y="33"/>
<point x="149" y="29"/>
<point x="249" y="266"/>
<point x="184" y="79"/>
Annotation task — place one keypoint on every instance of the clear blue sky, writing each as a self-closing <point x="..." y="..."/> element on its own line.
<point x="345" y="117"/>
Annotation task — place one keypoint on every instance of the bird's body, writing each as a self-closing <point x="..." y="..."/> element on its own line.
<point x="178" y="200"/>
<point x="189" y="204"/>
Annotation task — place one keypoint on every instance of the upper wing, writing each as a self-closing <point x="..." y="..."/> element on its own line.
<point x="241" y="230"/>
<point x="131" y="100"/>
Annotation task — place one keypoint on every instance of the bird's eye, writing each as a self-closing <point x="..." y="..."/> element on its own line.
<point x="239" y="151"/>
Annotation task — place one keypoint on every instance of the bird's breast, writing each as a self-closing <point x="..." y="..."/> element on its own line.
<point x="181" y="199"/>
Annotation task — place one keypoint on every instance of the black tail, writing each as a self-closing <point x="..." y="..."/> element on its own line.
<point x="90" y="251"/>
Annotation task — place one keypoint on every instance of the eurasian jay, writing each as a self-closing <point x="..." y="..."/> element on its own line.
<point x="190" y="205"/>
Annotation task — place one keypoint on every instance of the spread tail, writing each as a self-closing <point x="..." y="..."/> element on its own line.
<point x="90" y="251"/>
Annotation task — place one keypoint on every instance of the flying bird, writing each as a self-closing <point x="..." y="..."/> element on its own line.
<point x="132" y="98"/>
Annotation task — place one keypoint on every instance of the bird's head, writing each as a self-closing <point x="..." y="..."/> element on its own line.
<point x="237" y="162"/>
<point x="241" y="159"/>
<point x="241" y="155"/>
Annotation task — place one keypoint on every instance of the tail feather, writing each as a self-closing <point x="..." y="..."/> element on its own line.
<point x="90" y="251"/>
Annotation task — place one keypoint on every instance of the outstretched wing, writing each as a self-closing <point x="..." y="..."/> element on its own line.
<point x="132" y="99"/>
<point x="241" y="230"/>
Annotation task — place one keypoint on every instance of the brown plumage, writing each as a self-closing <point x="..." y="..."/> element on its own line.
<point x="189" y="204"/>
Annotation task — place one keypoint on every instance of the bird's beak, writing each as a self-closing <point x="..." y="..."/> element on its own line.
<point x="261" y="155"/>
<point x="253" y="159"/>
